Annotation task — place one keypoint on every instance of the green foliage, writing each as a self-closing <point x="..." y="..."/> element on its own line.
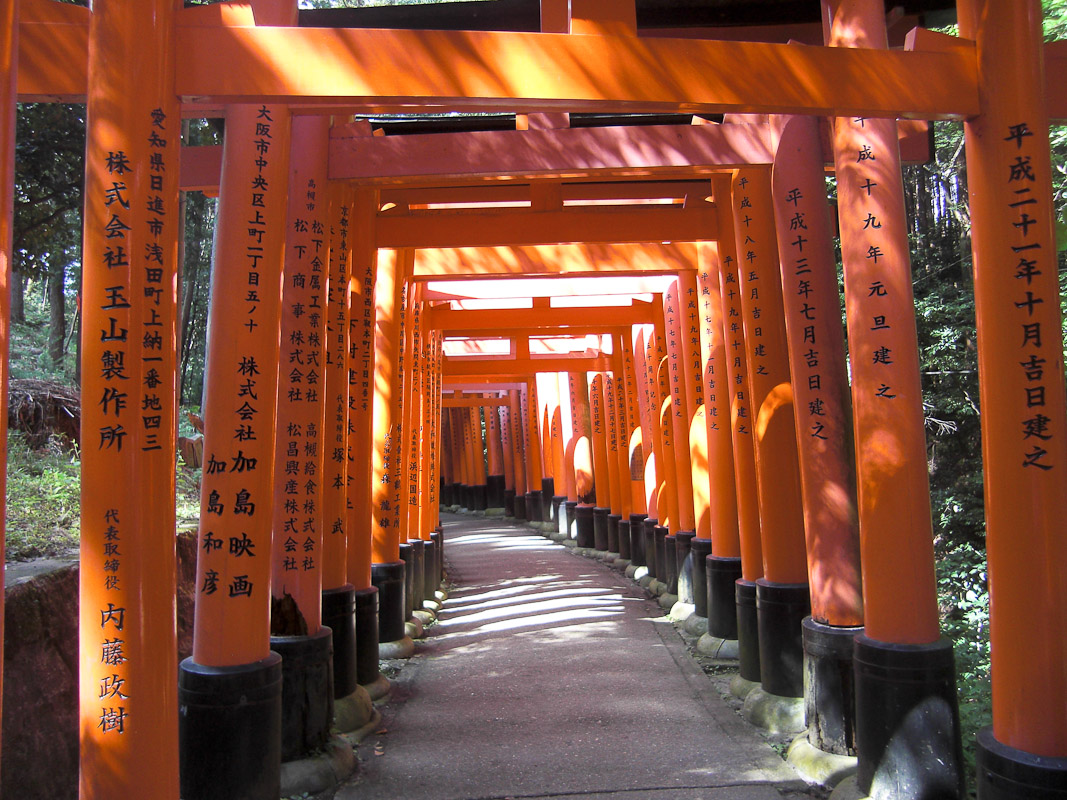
<point x="29" y="343"/>
<point x="43" y="499"/>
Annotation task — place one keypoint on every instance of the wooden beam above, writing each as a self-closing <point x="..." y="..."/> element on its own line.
<point x="501" y="322"/>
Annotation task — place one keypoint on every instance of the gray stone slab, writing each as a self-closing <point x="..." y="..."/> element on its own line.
<point x="551" y="675"/>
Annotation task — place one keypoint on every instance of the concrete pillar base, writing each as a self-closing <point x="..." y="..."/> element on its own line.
<point x="321" y="772"/>
<point x="379" y="689"/>
<point x="495" y="512"/>
<point x="773" y="712"/>
<point x="681" y="611"/>
<point x="667" y="600"/>
<point x="696" y="624"/>
<point x="413" y="628"/>
<point x="742" y="687"/>
<point x="713" y="646"/>
<point x="398" y="648"/>
<point x="817" y="766"/>
<point x="353" y="711"/>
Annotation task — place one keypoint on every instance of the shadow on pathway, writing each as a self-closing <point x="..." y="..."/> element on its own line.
<point x="551" y="675"/>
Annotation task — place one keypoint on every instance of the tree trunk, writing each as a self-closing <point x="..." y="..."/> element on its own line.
<point x="57" y="314"/>
<point x="18" y="297"/>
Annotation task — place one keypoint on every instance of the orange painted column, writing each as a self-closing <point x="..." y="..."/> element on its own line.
<point x="361" y="372"/>
<point x="502" y="415"/>
<point x="583" y="454"/>
<point x="612" y="428"/>
<point x="636" y="443"/>
<point x="896" y="540"/>
<point x="301" y="407"/>
<point x="8" y="105"/>
<point x="496" y="479"/>
<point x="599" y="441"/>
<point x="387" y="570"/>
<point x="518" y="449"/>
<point x="742" y="624"/>
<point x="411" y="441"/>
<point x="1020" y="362"/>
<point x="336" y="452"/>
<point x="622" y="427"/>
<point x="128" y="719"/>
<point x="680" y="407"/>
<point x="817" y="360"/>
<point x="648" y="425"/>
<point x="534" y="454"/>
<point x="431" y="416"/>
<point x="567" y="433"/>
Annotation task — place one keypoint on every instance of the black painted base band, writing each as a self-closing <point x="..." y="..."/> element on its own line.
<point x="390" y="580"/>
<point x="407" y="555"/>
<point x="613" y="532"/>
<point x="230" y="730"/>
<point x="701" y="549"/>
<point x="659" y="568"/>
<point x="600" y="528"/>
<point x="479" y="497"/>
<point x="748" y="650"/>
<point x="519" y="506"/>
<point x="1006" y="773"/>
<point x="534" y="512"/>
<point x="509" y="502"/>
<point x="624" y="539"/>
<point x="438" y="539"/>
<point x="829" y="687"/>
<point x="495" y="486"/>
<point x="307" y="691"/>
<point x="722" y="574"/>
<point x="683" y="560"/>
<point x="430" y="580"/>
<point x="906" y="704"/>
<point x="570" y="508"/>
<point x="339" y="614"/>
<point x="548" y="491"/>
<point x="445" y="493"/>
<point x="670" y="558"/>
<point x="464" y="498"/>
<point x="583" y="516"/>
<point x="637" y="539"/>
<point x="648" y="539"/>
<point x="559" y="512"/>
<point x="781" y="608"/>
<point x="367" y="635"/>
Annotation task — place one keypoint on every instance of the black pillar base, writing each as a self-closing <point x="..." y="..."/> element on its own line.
<point x="907" y="720"/>
<point x="683" y="559"/>
<point x="583" y="516"/>
<point x="307" y="691"/>
<point x="559" y="513"/>
<point x="660" y="571"/>
<point x="390" y="580"/>
<point x="548" y="491"/>
<point x="457" y="494"/>
<point x="613" y="532"/>
<point x="624" y="539"/>
<point x="748" y="650"/>
<point x="670" y="558"/>
<point x="509" y="502"/>
<point x="438" y="539"/>
<point x="829" y="690"/>
<point x="230" y="730"/>
<point x="430" y="580"/>
<point x="637" y="540"/>
<point x="600" y="528"/>
<point x="445" y="494"/>
<point x="408" y="557"/>
<point x="781" y="608"/>
<point x="519" y="506"/>
<point x="339" y="614"/>
<point x="722" y="575"/>
<point x="465" y="498"/>
<point x="648" y="540"/>
<point x="495" y="486"/>
<point x="479" y="497"/>
<point x="1005" y="773"/>
<point x="417" y="568"/>
<point x="367" y="636"/>
<point x="534" y="512"/>
<point x="701" y="549"/>
<point x="570" y="508"/>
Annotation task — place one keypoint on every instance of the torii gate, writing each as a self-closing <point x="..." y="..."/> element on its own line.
<point x="132" y="141"/>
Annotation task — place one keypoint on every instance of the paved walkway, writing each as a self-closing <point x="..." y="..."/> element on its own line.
<point x="551" y="675"/>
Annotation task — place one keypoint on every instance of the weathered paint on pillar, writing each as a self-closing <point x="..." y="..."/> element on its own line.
<point x="751" y="541"/>
<point x="1020" y="362"/>
<point x="8" y="104"/>
<point x="127" y="687"/>
<point x="233" y="566"/>
<point x="387" y="387"/>
<point x="722" y="497"/>
<point x="361" y="370"/>
<point x="820" y="385"/>
<point x="777" y="473"/>
<point x="298" y="466"/>
<point x="680" y="405"/>
<point x="335" y="476"/>
<point x="899" y="592"/>
<point x="599" y="437"/>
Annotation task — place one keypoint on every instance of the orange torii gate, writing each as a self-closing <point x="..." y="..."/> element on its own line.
<point x="1023" y="417"/>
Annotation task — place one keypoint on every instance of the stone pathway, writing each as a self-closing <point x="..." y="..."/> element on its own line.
<point x="551" y="675"/>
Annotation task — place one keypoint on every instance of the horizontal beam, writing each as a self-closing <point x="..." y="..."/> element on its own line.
<point x="565" y="320"/>
<point x="474" y="402"/>
<point x="53" y="52"/>
<point x="522" y="227"/>
<point x="566" y="259"/>
<point x="511" y="192"/>
<point x="454" y="369"/>
<point x="483" y="71"/>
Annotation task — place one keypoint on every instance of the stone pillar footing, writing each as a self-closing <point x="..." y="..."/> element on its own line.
<point x="230" y="730"/>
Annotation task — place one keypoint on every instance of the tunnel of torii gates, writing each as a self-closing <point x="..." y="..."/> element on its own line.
<point x="661" y="375"/>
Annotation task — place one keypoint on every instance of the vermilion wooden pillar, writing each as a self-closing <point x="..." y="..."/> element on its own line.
<point x="680" y="405"/>
<point x="128" y="704"/>
<point x="636" y="442"/>
<point x="518" y="447"/>
<point x="534" y="465"/>
<point x="896" y="541"/>
<point x="583" y="454"/>
<point x="503" y="422"/>
<point x="1024" y="441"/>
<point x="495" y="479"/>
<point x="8" y="104"/>
<point x="750" y="568"/>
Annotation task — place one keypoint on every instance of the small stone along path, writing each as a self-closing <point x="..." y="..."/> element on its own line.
<point x="551" y="675"/>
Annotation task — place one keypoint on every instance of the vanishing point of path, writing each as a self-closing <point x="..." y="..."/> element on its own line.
<point x="550" y="675"/>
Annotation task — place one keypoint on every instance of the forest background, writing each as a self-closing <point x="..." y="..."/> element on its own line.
<point x="43" y="473"/>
